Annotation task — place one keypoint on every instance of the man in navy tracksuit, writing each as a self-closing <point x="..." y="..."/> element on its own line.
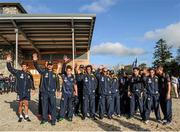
<point x="79" y="101"/>
<point x="6" y="85"/>
<point x="69" y="90"/>
<point x="49" y="85"/>
<point x="135" y="93"/>
<point x="40" y="101"/>
<point x="115" y="94"/>
<point x="152" y="96"/>
<point x="97" y="90"/>
<point x="144" y="75"/>
<point x="105" y="94"/>
<point x="165" y="94"/>
<point x="123" y="89"/>
<point x="89" y="88"/>
<point x="1" y="83"/>
<point x="24" y="84"/>
<point x="12" y="83"/>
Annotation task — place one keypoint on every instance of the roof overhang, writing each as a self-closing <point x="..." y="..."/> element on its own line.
<point x="44" y="32"/>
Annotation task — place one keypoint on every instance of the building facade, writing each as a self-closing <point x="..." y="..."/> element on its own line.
<point x="52" y="36"/>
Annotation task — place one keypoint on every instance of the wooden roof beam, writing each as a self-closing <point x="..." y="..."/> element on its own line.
<point x="5" y="40"/>
<point x="90" y="33"/>
<point x="25" y="36"/>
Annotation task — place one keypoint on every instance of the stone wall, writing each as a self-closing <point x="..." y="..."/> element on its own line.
<point x="4" y="51"/>
<point x="10" y="10"/>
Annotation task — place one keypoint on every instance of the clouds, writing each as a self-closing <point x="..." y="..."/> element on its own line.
<point x="170" y="33"/>
<point x="116" y="49"/>
<point x="98" y="6"/>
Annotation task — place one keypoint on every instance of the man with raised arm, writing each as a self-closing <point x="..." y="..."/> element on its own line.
<point x="24" y="86"/>
<point x="49" y="86"/>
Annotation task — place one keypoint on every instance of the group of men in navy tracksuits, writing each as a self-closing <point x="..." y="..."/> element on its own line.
<point x="147" y="90"/>
<point x="7" y="84"/>
<point x="91" y="92"/>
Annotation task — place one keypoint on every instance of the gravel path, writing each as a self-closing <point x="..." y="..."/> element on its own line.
<point x="8" y="120"/>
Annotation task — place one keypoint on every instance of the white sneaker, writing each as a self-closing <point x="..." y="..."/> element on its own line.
<point x="118" y="115"/>
<point x="159" y="121"/>
<point x="146" y="122"/>
<point x="164" y="121"/>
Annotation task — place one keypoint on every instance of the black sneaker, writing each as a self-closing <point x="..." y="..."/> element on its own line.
<point x="129" y="117"/>
<point x="60" y="119"/>
<point x="53" y="123"/>
<point x="83" y="118"/>
<point x="69" y="119"/>
<point x="20" y="119"/>
<point x="27" y="119"/>
<point x="43" y="122"/>
<point x="167" y="123"/>
<point x="101" y="117"/>
<point x="94" y="118"/>
<point x="110" y="117"/>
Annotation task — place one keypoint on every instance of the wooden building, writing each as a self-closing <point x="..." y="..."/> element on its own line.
<point x="50" y="35"/>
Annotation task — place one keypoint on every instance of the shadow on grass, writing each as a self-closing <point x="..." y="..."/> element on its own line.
<point x="33" y="107"/>
<point x="126" y="124"/>
<point x="14" y="106"/>
<point x="107" y="127"/>
<point x="131" y="126"/>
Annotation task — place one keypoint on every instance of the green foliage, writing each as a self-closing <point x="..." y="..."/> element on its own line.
<point x="162" y="53"/>
<point x="128" y="69"/>
<point x="178" y="55"/>
<point x="143" y="65"/>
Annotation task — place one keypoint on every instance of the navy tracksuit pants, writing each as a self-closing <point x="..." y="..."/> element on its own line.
<point x="166" y="107"/>
<point x="89" y="105"/>
<point x="152" y="102"/>
<point x="105" y="102"/>
<point x="66" y="106"/>
<point x="48" y="101"/>
<point x="133" y="100"/>
<point x="115" y="107"/>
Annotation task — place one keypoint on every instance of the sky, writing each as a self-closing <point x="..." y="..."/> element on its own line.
<point x="124" y="29"/>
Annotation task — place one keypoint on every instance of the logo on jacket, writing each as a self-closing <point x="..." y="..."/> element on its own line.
<point x="54" y="76"/>
<point x="132" y="80"/>
<point x="102" y="79"/>
<point x="122" y="80"/>
<point x="162" y="79"/>
<point x="46" y="75"/>
<point x="22" y="76"/>
<point x="65" y="79"/>
<point x="86" y="79"/>
<point x="72" y="79"/>
<point x="156" y="80"/>
<point x="149" y="81"/>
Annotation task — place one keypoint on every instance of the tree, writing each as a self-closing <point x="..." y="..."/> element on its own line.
<point x="172" y="68"/>
<point x="162" y="53"/>
<point x="128" y="69"/>
<point x="178" y="55"/>
<point x="142" y="65"/>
